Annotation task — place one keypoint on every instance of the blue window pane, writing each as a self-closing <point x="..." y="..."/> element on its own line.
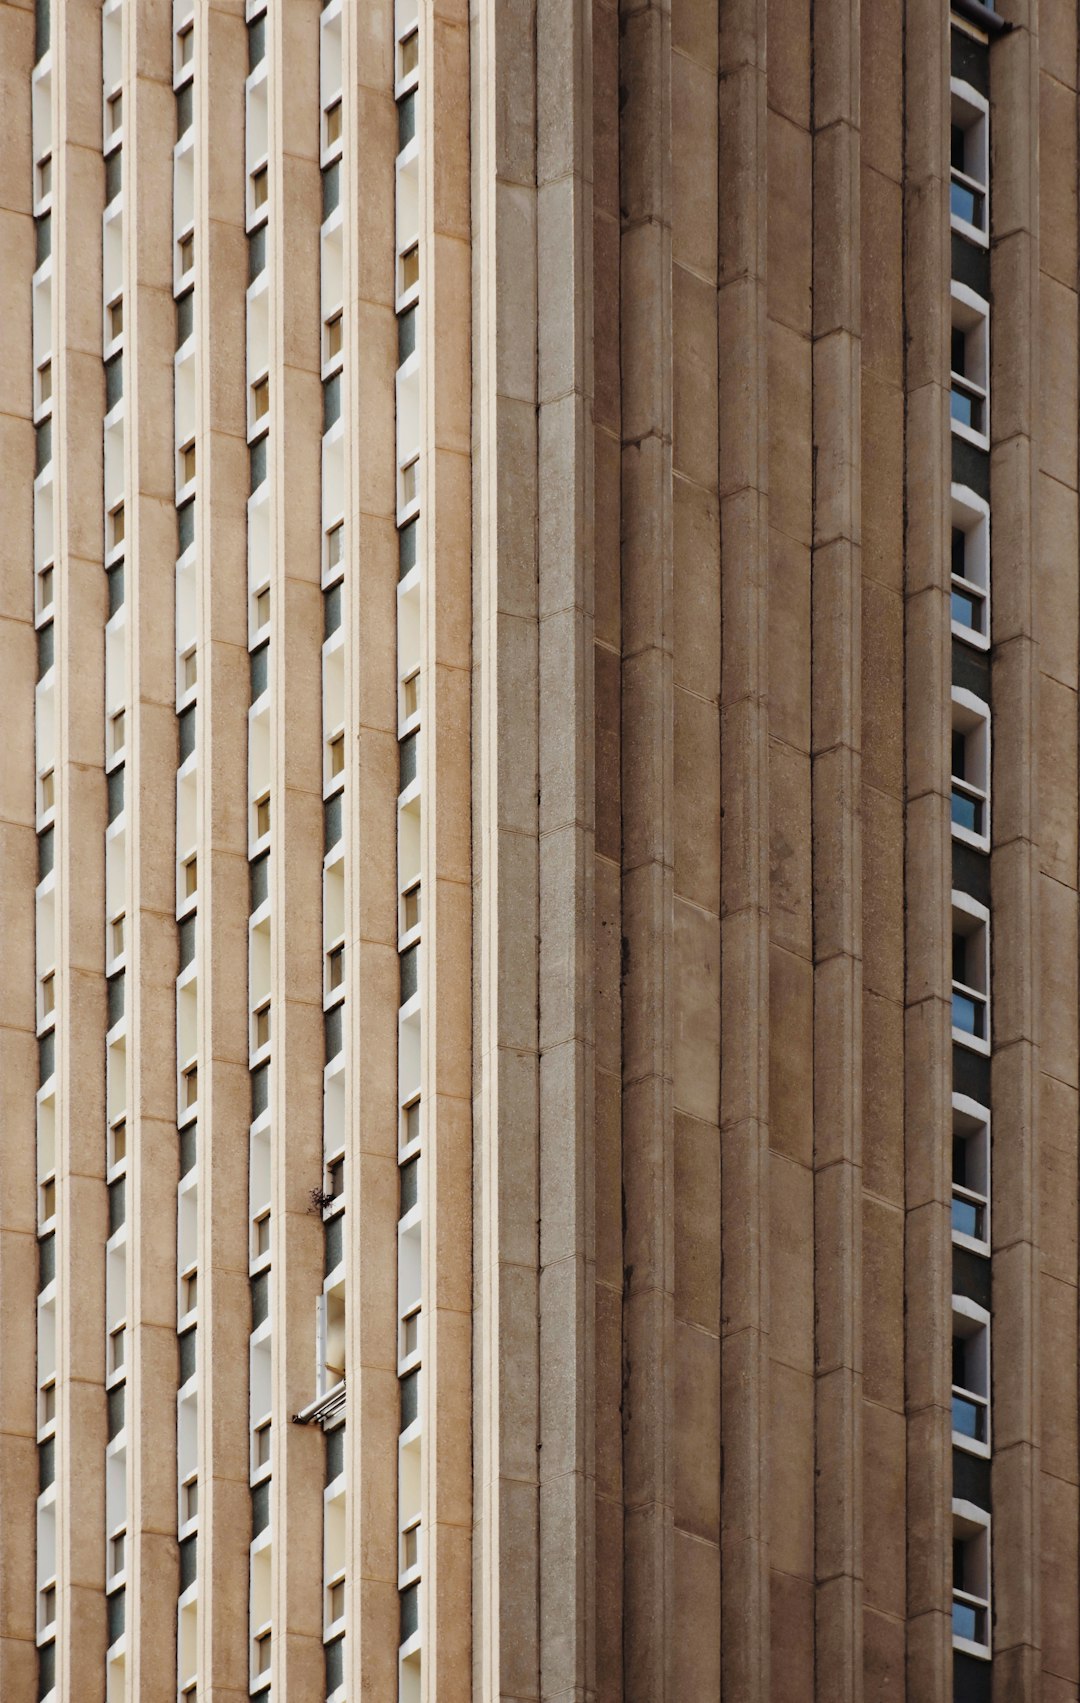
<point x="967" y="1418"/>
<point x="965" y="1014"/>
<point x="966" y="610"/>
<point x="966" y="1218"/>
<point x="967" y="812"/>
<point x="966" y="204"/>
<point x="962" y="408"/>
<point x="965" y="1621"/>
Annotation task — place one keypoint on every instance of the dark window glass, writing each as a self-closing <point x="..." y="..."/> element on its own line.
<point x="46" y="649"/>
<point x="256" y="253"/>
<point x="256" y="41"/>
<point x="42" y="444"/>
<point x="331" y="609"/>
<point x="332" y="1253"/>
<point x="410" y="1612"/>
<point x="117" y="1204"/>
<point x="406" y="335"/>
<point x="410" y="964"/>
<point x="185" y="316"/>
<point x="46" y="1260"/>
<point x="257" y="459"/>
<point x="957" y="147"/>
<point x="966" y="203"/>
<point x="331" y="188"/>
<point x="332" y="1030"/>
<point x="116" y="1410"/>
<point x="186" y="1342"/>
<point x="409" y="1177"/>
<point x="46" y="1057"/>
<point x="335" y="1665"/>
<point x="410" y="1399"/>
<point x="185" y="524"/>
<point x="260" y="1298"/>
<point x="46" y="852"/>
<point x="186" y="718"/>
<point x="260" y="880"/>
<point x="188" y="1561"/>
<point x="331" y="822"/>
<point x="115" y="780"/>
<point x="335" y="1453"/>
<point x="260" y="1090"/>
<point x="187" y="942"/>
<point x="183" y="109"/>
<point x="114" y="1614"/>
<point x="260" y="669"/>
<point x="113" y="174"/>
<point x="47" y="1652"/>
<point x="189" y="1139"/>
<point x="406" y="120"/>
<point x="260" y="1507"/>
<point x="959" y="552"/>
<point x="42" y="28"/>
<point x="115" y="993"/>
<point x="407" y="548"/>
<point x="46" y="1464"/>
<point x="116" y="587"/>
<point x="407" y="762"/>
<point x="42" y="238"/>
<point x="959" y="350"/>
<point x="331" y="402"/>
<point x="114" y="381"/>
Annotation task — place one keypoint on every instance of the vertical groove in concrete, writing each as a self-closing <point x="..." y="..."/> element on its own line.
<point x="150" y="998"/>
<point x="647" y="850"/>
<point x="225" y="1102"/>
<point x="81" y="1225"/>
<point x="927" y="855"/>
<point x="18" y="858"/>
<point x="744" y="887"/>
<point x="1034" y="908"/>
<point x="607" y="894"/>
<point x="372" y="980"/>
<point x="836" y="708"/>
<point x="446" y="864"/>
<point x="565" y="549"/>
<point x="296" y="768"/>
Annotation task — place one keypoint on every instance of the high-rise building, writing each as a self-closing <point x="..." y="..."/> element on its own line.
<point x="539" y="873"/>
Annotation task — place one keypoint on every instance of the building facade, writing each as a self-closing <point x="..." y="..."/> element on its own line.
<point x="539" y="872"/>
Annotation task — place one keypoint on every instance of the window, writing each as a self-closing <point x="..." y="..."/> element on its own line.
<point x="48" y="1606"/>
<point x="117" y="526"/>
<point x="410" y="1547"/>
<point x="410" y="696"/>
<point x="117" y="725"/>
<point x="262" y="1652"/>
<point x="410" y="1333"/>
<point x="970" y="805"/>
<point x="260" y="186"/>
<point x="410" y="1118"/>
<point x="261" y="1026"/>
<point x="335" y="971"/>
<point x="333" y="336"/>
<point x="48" y="791"/>
<point x="45" y="381"/>
<point x="189" y="1292"/>
<point x="970" y="972"/>
<point x="262" y="607"/>
<point x="48" y="1401"/>
<point x="262" y="1234"/>
<point x="262" y="1443"/>
<point x="409" y="54"/>
<point x="337" y="755"/>
<point x="117" y="1553"/>
<point x="335" y="544"/>
<point x="262" y="816"/>
<point x="336" y="1169"/>
<point x="48" y="993"/>
<point x="44" y="176"/>
<point x="190" y="1087"/>
<point x="410" y="268"/>
<point x="408" y="482"/>
<point x="333" y="124"/>
<point x="971" y="1579"/>
<point x="117" y="1341"/>
<point x="116" y="936"/>
<point x="970" y="360"/>
<point x="970" y="1376"/>
<point x="191" y="876"/>
<point x="45" y="590"/>
<point x="968" y="200"/>
<point x="410" y="909"/>
<point x="971" y="1173"/>
<point x="185" y="45"/>
<point x="260" y="399"/>
<point x="336" y="1601"/>
<point x="970" y="567"/>
<point x="187" y="463"/>
<point x="48" y="1199"/>
<point x="116" y="318"/>
<point x="186" y="251"/>
<point x="189" y="672"/>
<point x="114" y="109"/>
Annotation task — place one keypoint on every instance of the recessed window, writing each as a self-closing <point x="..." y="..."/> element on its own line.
<point x="262" y="816"/>
<point x="45" y="381"/>
<point x="189" y="1292"/>
<point x="410" y="1547"/>
<point x="333" y="336"/>
<point x="970" y="364"/>
<point x="44" y="175"/>
<point x="333" y="124"/>
<point x="262" y="607"/>
<point x="186" y="249"/>
<point x="408" y="482"/>
<point x="190" y="670"/>
<point x="191" y="876"/>
<point x="117" y="526"/>
<point x="190" y="1092"/>
<point x="262" y="1027"/>
<point x="117" y="1340"/>
<point x="410" y="1117"/>
<point x="119" y="1141"/>
<point x="260" y="186"/>
<point x="971" y="1582"/>
<point x="411" y="1333"/>
<point x="262" y="1444"/>
<point x="410" y="267"/>
<point x="262" y="1235"/>
<point x="262" y="1652"/>
<point x="117" y="1548"/>
<point x="48" y="1606"/>
<point x="410" y="701"/>
<point x="48" y="1402"/>
<point x="970" y="1172"/>
<point x="48" y="1198"/>
<point x="970" y="1375"/>
<point x="335" y="968"/>
<point x="191" y="1498"/>
<point x="260" y="399"/>
<point x="335" y="544"/>
<point x="114" y="108"/>
<point x="409" y="50"/>
<point x="48" y="790"/>
<point x="116" y="318"/>
<point x="968" y="204"/>
<point x="336" y="1595"/>
<point x="337" y="1178"/>
<point x="116" y="936"/>
<point x="337" y="755"/>
<point x="45" y="590"/>
<point x="410" y="908"/>
<point x="970" y="786"/>
<point x="48" y="994"/>
<point x="970" y="973"/>
<point x="117" y="726"/>
<point x="970" y="567"/>
<point x="186" y="45"/>
<point x="187" y="463"/>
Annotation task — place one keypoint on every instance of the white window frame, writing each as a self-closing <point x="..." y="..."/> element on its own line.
<point x="971" y="718"/>
<point x="976" y="916"/>
<point x="971" y="1124"/>
<point x="971" y="516"/>
<point x="969" y="1320"/>
<point x="971" y="315"/>
<point x="973" y="109"/>
<point x="968" y="1522"/>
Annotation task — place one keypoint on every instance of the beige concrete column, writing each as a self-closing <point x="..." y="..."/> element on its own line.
<point x="607" y="896"/>
<point x="836" y="604"/>
<point x="225" y="1100"/>
<point x="696" y="803"/>
<point x="446" y="863"/>
<point x="647" y="851"/>
<point x="1034" y="900"/>
<point x="1051" y="606"/>
<point x="370" y="814"/>
<point x="882" y="792"/>
<point x="296" y="1078"/>
<point x="927" y="856"/>
<point x="567" y="1258"/>
<point x="790" y="354"/>
<point x="151" y="738"/>
<point x="81" y="1228"/>
<point x="18" y="858"/>
<point x="744" y="870"/>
